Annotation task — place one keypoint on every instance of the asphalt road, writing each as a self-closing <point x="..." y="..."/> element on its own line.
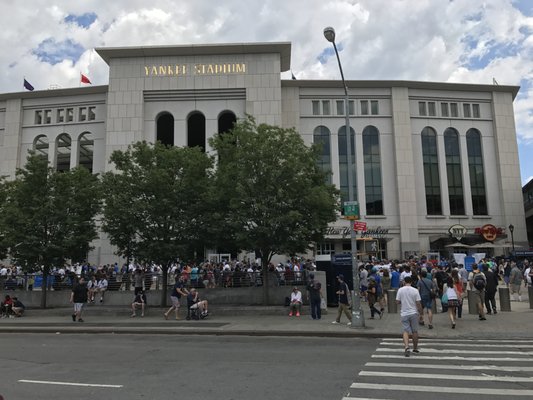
<point x="40" y="366"/>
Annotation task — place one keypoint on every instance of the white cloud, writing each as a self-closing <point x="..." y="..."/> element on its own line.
<point x="381" y="39"/>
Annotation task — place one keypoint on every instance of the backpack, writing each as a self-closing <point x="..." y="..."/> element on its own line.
<point x="479" y="282"/>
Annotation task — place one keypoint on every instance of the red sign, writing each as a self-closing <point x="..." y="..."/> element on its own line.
<point x="359" y="226"/>
<point x="489" y="232"/>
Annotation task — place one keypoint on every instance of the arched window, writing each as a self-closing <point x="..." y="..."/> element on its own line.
<point x="63" y="150"/>
<point x="343" y="164"/>
<point x="431" y="171"/>
<point x="226" y="120"/>
<point x="41" y="146"/>
<point x="477" y="174"/>
<point x="372" y="163"/>
<point x="86" y="151"/>
<point x="196" y="130"/>
<point x="165" y="129"/>
<point x="322" y="137"/>
<point x="453" y="172"/>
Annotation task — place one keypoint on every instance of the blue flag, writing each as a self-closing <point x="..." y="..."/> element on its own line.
<point x="28" y="86"/>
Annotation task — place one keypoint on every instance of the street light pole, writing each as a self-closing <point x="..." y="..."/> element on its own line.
<point x="358" y="319"/>
<point x="511" y="229"/>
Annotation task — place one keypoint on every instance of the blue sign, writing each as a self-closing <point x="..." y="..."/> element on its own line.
<point x="469" y="261"/>
<point x="342" y="259"/>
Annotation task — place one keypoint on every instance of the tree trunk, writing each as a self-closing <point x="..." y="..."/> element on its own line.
<point x="44" y="287"/>
<point x="164" y="286"/>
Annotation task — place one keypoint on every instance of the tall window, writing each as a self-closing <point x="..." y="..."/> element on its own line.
<point x="196" y="130"/>
<point x="165" y="129"/>
<point x="372" y="162"/>
<point x="453" y="172"/>
<point x="431" y="171"/>
<point x="226" y="120"/>
<point x="322" y="137"/>
<point x="41" y="146"/>
<point x="86" y="151"/>
<point x="477" y="175"/>
<point x="63" y="149"/>
<point x="343" y="164"/>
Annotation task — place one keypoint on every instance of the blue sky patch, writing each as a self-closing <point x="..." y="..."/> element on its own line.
<point x="494" y="51"/>
<point x="53" y="52"/>
<point x="328" y="52"/>
<point x="84" y="20"/>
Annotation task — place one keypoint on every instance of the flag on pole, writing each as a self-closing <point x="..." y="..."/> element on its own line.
<point x="28" y="86"/>
<point x="84" y="79"/>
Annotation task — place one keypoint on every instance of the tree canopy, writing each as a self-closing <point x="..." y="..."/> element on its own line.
<point x="156" y="202"/>
<point x="49" y="216"/>
<point x="272" y="196"/>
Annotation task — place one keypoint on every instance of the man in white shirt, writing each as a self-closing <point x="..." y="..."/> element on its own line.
<point x="411" y="307"/>
<point x="296" y="302"/>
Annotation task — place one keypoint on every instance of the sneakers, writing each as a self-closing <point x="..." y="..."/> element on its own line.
<point x="290" y="314"/>
<point x="335" y="322"/>
<point x="430" y="326"/>
<point x="133" y="315"/>
<point x="416" y="351"/>
<point x="453" y="325"/>
<point x="297" y="314"/>
<point x="80" y="320"/>
<point x="482" y="318"/>
<point x="165" y="315"/>
<point x="407" y="352"/>
<point x="349" y="323"/>
<point x="73" y="317"/>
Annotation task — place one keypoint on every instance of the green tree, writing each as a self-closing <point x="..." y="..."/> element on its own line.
<point x="156" y="202"/>
<point x="49" y="217"/>
<point x="271" y="194"/>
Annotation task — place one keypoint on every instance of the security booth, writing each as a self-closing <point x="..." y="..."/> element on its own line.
<point x="338" y="264"/>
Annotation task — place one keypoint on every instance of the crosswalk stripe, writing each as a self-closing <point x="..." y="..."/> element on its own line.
<point x="455" y="351"/>
<point x="459" y="344"/>
<point x="454" y="358"/>
<point x="492" y="378"/>
<point x="362" y="398"/>
<point x="437" y="389"/>
<point x="399" y="339"/>
<point x="464" y="367"/>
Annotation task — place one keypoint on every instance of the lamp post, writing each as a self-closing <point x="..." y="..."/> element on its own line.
<point x="358" y="319"/>
<point x="511" y="229"/>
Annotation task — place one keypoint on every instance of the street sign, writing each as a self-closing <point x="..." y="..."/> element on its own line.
<point x="359" y="226"/>
<point x="351" y="209"/>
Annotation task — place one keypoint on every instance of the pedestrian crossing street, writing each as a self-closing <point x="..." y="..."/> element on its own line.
<point x="447" y="369"/>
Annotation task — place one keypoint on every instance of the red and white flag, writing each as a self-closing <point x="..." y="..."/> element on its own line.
<point x="84" y="79"/>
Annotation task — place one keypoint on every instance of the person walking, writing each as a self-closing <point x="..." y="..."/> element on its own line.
<point x="453" y="298"/>
<point x="177" y="291"/>
<point x="490" y="290"/>
<point x="515" y="281"/>
<point x="344" y="302"/>
<point x="428" y="292"/>
<point x="459" y="288"/>
<point x="478" y="283"/>
<point x="410" y="307"/>
<point x="372" y="297"/>
<point x="78" y="297"/>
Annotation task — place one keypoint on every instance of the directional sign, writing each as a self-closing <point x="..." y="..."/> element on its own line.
<point x="359" y="226"/>
<point x="351" y="210"/>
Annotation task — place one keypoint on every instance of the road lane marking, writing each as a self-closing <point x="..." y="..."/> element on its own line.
<point x="69" y="383"/>
<point x="453" y="358"/>
<point x="438" y="389"/>
<point x="460" y="351"/>
<point x="465" y="367"/>
<point x="483" y="377"/>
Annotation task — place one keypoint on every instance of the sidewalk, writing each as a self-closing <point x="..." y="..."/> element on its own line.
<point x="98" y="319"/>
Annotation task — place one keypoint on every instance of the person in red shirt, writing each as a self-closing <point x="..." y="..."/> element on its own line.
<point x="7" y="306"/>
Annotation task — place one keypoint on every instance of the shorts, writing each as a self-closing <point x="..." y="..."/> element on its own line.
<point x="410" y="323"/>
<point x="427" y="302"/>
<point x="515" y="288"/>
<point x="175" y="301"/>
<point x="479" y="296"/>
<point x="78" y="307"/>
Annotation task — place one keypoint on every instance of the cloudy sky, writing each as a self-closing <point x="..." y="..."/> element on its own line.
<point x="49" y="42"/>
